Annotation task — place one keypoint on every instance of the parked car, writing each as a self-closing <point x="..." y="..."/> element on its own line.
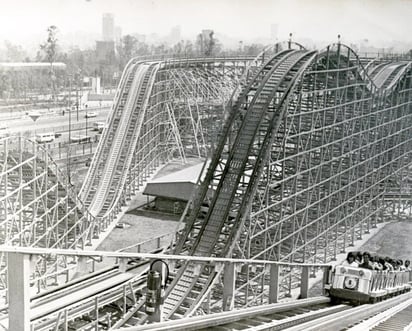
<point x="45" y="137"/>
<point x="99" y="126"/>
<point x="90" y="114"/>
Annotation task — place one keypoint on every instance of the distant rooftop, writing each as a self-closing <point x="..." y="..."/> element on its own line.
<point x="100" y="97"/>
<point x="30" y="65"/>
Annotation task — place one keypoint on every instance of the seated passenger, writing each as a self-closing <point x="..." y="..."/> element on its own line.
<point x="358" y="257"/>
<point x="350" y="260"/>
<point x="388" y="264"/>
<point x="408" y="265"/>
<point x="375" y="263"/>
<point x="383" y="263"/>
<point x="394" y="265"/>
<point x="366" y="264"/>
<point x="401" y="267"/>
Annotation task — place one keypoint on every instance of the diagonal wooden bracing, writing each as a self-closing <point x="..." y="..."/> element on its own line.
<point x="308" y="156"/>
<point x="156" y="101"/>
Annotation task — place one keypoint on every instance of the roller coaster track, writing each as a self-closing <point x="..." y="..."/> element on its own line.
<point x="117" y="150"/>
<point x="320" y="165"/>
<point x="388" y="75"/>
<point x="277" y="77"/>
<point x="133" y="146"/>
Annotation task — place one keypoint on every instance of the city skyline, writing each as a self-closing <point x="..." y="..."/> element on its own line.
<point x="375" y="20"/>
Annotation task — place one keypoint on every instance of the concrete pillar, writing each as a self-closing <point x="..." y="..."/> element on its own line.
<point x="274" y="283"/>
<point x="19" y="291"/>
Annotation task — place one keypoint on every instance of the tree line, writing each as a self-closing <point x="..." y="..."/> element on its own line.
<point x="83" y="63"/>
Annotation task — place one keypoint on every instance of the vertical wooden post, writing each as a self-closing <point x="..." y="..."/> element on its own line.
<point x="19" y="291"/>
<point x="325" y="279"/>
<point x="82" y="267"/>
<point x="229" y="279"/>
<point x="274" y="283"/>
<point x="66" y="320"/>
<point x="123" y="264"/>
<point x="304" y="283"/>
<point x="96" y="308"/>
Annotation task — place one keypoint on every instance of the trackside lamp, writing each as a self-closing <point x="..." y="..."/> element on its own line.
<point x="155" y="288"/>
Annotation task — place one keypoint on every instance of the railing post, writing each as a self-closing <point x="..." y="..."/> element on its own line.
<point x="229" y="280"/>
<point x="325" y="279"/>
<point x="304" y="283"/>
<point x="123" y="264"/>
<point x="274" y="283"/>
<point x="82" y="267"/>
<point x="19" y="291"/>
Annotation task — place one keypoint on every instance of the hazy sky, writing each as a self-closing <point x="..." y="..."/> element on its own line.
<point x="242" y="19"/>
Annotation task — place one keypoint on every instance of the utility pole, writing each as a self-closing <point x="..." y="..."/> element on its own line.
<point x="77" y="94"/>
<point x="70" y="131"/>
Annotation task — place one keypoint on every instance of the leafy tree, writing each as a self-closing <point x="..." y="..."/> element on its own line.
<point x="127" y="49"/>
<point x="49" y="49"/>
<point x="207" y="44"/>
<point x="188" y="48"/>
<point x="252" y="49"/>
<point x="14" y="53"/>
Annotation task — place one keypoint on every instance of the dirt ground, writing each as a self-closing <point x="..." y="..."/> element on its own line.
<point x="393" y="240"/>
<point x="141" y="225"/>
<point x="138" y="228"/>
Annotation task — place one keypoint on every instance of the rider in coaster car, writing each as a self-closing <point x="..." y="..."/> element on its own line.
<point x="388" y="264"/>
<point x="350" y="260"/>
<point x="358" y="257"/>
<point x="375" y="263"/>
<point x="408" y="265"/>
<point x="366" y="264"/>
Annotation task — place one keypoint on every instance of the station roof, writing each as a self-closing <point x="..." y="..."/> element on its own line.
<point x="178" y="185"/>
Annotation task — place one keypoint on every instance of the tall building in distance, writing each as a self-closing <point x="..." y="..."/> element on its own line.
<point x="175" y="34"/>
<point x="108" y="27"/>
<point x="274" y="32"/>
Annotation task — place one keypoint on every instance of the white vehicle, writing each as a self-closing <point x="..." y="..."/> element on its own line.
<point x="90" y="114"/>
<point x="80" y="139"/>
<point x="99" y="126"/>
<point x="45" y="137"/>
<point x="4" y="129"/>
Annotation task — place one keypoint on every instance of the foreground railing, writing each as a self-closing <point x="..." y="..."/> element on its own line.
<point x="23" y="314"/>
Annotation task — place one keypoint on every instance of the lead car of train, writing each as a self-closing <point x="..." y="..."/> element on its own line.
<point x="359" y="285"/>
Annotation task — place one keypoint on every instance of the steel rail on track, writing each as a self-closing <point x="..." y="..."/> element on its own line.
<point x="200" y="322"/>
<point x="225" y="192"/>
<point x="345" y="319"/>
<point x="379" y="318"/>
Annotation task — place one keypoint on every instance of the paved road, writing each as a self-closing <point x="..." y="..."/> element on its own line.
<point x="53" y="122"/>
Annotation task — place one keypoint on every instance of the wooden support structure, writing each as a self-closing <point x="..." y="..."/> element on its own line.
<point x="304" y="283"/>
<point x="18" y="273"/>
<point x="274" y="283"/>
<point x="229" y="280"/>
